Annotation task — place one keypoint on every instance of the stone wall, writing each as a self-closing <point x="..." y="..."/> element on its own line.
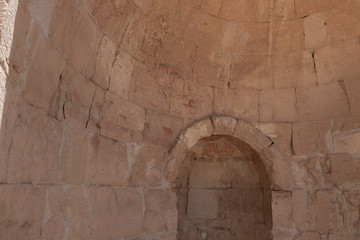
<point x="95" y="93"/>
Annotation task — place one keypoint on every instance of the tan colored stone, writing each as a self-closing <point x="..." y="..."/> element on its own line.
<point x="344" y="171"/>
<point x="73" y="155"/>
<point x="220" y="147"/>
<point x="244" y="175"/>
<point x="239" y="103"/>
<point x="104" y="63"/>
<point x="191" y="100"/>
<point x="121" y="75"/>
<point x="246" y="10"/>
<point x="22" y="208"/>
<point x="352" y="90"/>
<point x="202" y="204"/>
<point x="38" y="137"/>
<point x="223" y="125"/>
<point x="161" y="212"/>
<point x="211" y="7"/>
<point x="161" y="130"/>
<point x="299" y="207"/>
<point x="68" y="212"/>
<point x="307" y="7"/>
<point x="198" y="131"/>
<point x="174" y="161"/>
<point x="118" y="213"/>
<point x="319" y="212"/>
<point x="252" y="71"/>
<point x="309" y="236"/>
<point x="209" y="175"/>
<point x="286" y="36"/>
<point x="338" y="62"/>
<point x="294" y="70"/>
<point x="150" y="89"/>
<point x="43" y="76"/>
<point x="315" y="30"/>
<point x="310" y="138"/>
<point x="347" y="143"/>
<point x="346" y="124"/>
<point x="282" y="10"/>
<point x="322" y="102"/>
<point x="107" y="162"/>
<point x="277" y="105"/>
<point x="146" y="169"/>
<point x="282" y="209"/>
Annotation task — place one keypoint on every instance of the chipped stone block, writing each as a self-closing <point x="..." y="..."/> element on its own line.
<point x="315" y="30"/>
<point x="282" y="10"/>
<point x="198" y="131"/>
<point x="347" y="143"/>
<point x="307" y="7"/>
<point x="223" y="125"/>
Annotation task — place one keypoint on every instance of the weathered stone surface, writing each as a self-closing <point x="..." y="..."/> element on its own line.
<point x="202" y="204"/>
<point x="23" y="222"/>
<point x="38" y="137"/>
<point x="211" y="7"/>
<point x="118" y="213"/>
<point x="191" y="100"/>
<point x="73" y="155"/>
<point x="319" y="212"/>
<point x="45" y="68"/>
<point x="309" y="236"/>
<point x="352" y="89"/>
<point x="107" y="162"/>
<point x="279" y="133"/>
<point x="104" y="62"/>
<point x="239" y="103"/>
<point x="282" y="10"/>
<point x="175" y="160"/>
<point x="161" y="130"/>
<point x="307" y="7"/>
<point x="311" y="138"/>
<point x="245" y="10"/>
<point x="322" y="102"/>
<point x="277" y="105"/>
<point x="347" y="143"/>
<point x="209" y="175"/>
<point x="244" y="175"/>
<point x="282" y="210"/>
<point x="344" y="171"/>
<point x="196" y="132"/>
<point x="294" y="70"/>
<point x="315" y="30"/>
<point x="299" y="206"/>
<point x="223" y="125"/>
<point x="338" y="62"/>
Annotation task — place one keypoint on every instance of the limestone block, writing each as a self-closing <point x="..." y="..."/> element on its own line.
<point x="338" y="62"/>
<point x="277" y="105"/>
<point x="223" y="125"/>
<point x="252" y="71"/>
<point x="320" y="212"/>
<point x="175" y="160"/>
<point x="294" y="70"/>
<point x="309" y="236"/>
<point x="344" y="171"/>
<point x="299" y="207"/>
<point x="286" y="36"/>
<point x="22" y="208"/>
<point x="310" y="138"/>
<point x="221" y="148"/>
<point x="352" y="201"/>
<point x="307" y="7"/>
<point x="246" y="10"/>
<point x="202" y="204"/>
<point x="104" y="63"/>
<point x="144" y="5"/>
<point x="161" y="130"/>
<point x="209" y="175"/>
<point x="346" y="124"/>
<point x="191" y="100"/>
<point x="322" y="102"/>
<point x="161" y="211"/>
<point x="73" y="155"/>
<point x="282" y="209"/>
<point x="315" y="30"/>
<point x="198" y="131"/>
<point x="38" y="137"/>
<point x="118" y="213"/>
<point x="67" y="212"/>
<point x="146" y="170"/>
<point x="352" y="90"/>
<point x="76" y="97"/>
<point x="121" y="73"/>
<point x="244" y="175"/>
<point x="107" y="162"/>
<point x="239" y="103"/>
<point x="150" y="89"/>
<point x="43" y="76"/>
<point x="211" y="7"/>
<point x="41" y="11"/>
<point x="347" y="143"/>
<point x="282" y="10"/>
<point x="279" y="133"/>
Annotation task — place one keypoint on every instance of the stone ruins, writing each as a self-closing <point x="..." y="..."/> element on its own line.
<point x="179" y="119"/>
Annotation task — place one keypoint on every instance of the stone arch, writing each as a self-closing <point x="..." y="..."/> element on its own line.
<point x="273" y="160"/>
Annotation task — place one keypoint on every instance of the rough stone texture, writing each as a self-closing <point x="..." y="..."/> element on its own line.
<point x="223" y="125"/>
<point x="347" y="143"/>
<point x="315" y="31"/>
<point x="196" y="132"/>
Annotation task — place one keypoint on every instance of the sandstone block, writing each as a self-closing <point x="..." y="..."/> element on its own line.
<point x="322" y="102"/>
<point x="346" y="124"/>
<point x="338" y="62"/>
<point x="310" y="138"/>
<point x="344" y="171"/>
<point x="223" y="125"/>
<point x="319" y="212"/>
<point x="104" y="62"/>
<point x="282" y="10"/>
<point x="282" y="209"/>
<point x="294" y="70"/>
<point x="198" y="131"/>
<point x="309" y="236"/>
<point x="220" y="147"/>
<point x="245" y="10"/>
<point x="161" y="130"/>
<point x="118" y="213"/>
<point x="209" y="175"/>
<point x="231" y="203"/>
<point x="103" y="168"/>
<point x="25" y="221"/>
<point x="43" y="76"/>
<point x="244" y="175"/>
<point x="239" y="103"/>
<point x="174" y="161"/>
<point x="307" y="7"/>
<point x="299" y="207"/>
<point x="352" y="89"/>
<point x="347" y="143"/>
<point x="202" y="204"/>
<point x="191" y="100"/>
<point x="277" y="105"/>
<point x="315" y="30"/>
<point x="211" y="7"/>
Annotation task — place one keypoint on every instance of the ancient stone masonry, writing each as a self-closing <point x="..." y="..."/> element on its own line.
<point x="179" y="119"/>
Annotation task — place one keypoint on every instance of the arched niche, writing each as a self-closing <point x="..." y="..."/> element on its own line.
<point x="189" y="168"/>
